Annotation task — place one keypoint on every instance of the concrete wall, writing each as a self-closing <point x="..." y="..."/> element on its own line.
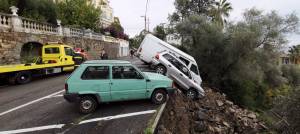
<point x="12" y="42"/>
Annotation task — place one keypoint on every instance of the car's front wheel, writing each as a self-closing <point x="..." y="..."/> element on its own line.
<point x="87" y="104"/>
<point x="191" y="94"/>
<point x="159" y="97"/>
<point x="160" y="69"/>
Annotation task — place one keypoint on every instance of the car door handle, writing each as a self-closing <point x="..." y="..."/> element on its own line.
<point x="110" y="83"/>
<point x="169" y="65"/>
<point x="181" y="75"/>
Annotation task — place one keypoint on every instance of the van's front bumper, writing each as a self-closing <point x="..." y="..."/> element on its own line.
<point x="72" y="97"/>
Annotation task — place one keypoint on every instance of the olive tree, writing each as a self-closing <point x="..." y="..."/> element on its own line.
<point x="240" y="59"/>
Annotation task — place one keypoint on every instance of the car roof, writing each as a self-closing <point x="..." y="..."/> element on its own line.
<point x="107" y="62"/>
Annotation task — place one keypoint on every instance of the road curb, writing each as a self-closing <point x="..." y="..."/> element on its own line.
<point x="157" y="118"/>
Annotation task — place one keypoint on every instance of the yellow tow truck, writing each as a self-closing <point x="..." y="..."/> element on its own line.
<point x="55" y="58"/>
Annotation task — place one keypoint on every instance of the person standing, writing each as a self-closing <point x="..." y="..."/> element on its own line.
<point x="103" y="55"/>
<point x="131" y="53"/>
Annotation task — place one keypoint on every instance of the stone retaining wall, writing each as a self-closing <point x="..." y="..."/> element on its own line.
<point x="12" y="42"/>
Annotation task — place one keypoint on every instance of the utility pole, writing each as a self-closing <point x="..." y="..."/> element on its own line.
<point x="145" y="17"/>
<point x="148" y="24"/>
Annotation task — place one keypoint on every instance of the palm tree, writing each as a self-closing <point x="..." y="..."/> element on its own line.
<point x="219" y="11"/>
<point x="294" y="53"/>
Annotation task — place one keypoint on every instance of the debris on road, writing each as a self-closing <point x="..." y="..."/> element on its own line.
<point x="212" y="114"/>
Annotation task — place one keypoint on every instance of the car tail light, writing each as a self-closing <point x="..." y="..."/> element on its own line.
<point x="173" y="85"/>
<point x="66" y="87"/>
<point x="157" y="56"/>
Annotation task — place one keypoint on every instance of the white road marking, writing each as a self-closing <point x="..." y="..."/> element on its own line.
<point x="60" y="95"/>
<point x="32" y="129"/>
<point x="117" y="116"/>
<point x="59" y="126"/>
<point x="31" y="102"/>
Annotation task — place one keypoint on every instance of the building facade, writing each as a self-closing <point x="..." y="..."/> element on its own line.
<point x="173" y="39"/>
<point x="106" y="17"/>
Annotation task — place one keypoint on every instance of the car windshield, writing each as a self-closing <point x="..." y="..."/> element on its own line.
<point x="194" y="69"/>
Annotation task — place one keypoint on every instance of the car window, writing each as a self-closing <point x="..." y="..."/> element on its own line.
<point x="168" y="57"/>
<point x="125" y="72"/>
<point x="52" y="50"/>
<point x="181" y="67"/>
<point x="194" y="69"/>
<point x="69" y="51"/>
<point x="95" y="72"/>
<point x="184" y="61"/>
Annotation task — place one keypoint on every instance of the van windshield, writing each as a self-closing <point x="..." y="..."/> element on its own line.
<point x="194" y="69"/>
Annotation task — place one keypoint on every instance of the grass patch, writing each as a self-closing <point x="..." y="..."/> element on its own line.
<point x="149" y="130"/>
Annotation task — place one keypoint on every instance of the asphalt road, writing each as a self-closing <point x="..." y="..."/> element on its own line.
<point x="39" y="107"/>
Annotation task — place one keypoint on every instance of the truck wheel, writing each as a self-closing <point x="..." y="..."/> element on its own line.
<point x="23" y="77"/>
<point x="87" y="105"/>
<point x="191" y="94"/>
<point x="159" y="97"/>
<point x="160" y="69"/>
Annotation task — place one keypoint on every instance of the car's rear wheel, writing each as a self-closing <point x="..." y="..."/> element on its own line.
<point x="159" y="97"/>
<point x="160" y="69"/>
<point x="23" y="77"/>
<point x="191" y="94"/>
<point x="87" y="104"/>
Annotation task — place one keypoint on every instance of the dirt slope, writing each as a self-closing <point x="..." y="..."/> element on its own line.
<point x="212" y="114"/>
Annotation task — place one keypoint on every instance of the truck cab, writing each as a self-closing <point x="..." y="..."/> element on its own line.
<point x="58" y="53"/>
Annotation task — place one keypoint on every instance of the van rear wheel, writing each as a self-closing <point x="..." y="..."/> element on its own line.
<point x="87" y="104"/>
<point x="160" y="69"/>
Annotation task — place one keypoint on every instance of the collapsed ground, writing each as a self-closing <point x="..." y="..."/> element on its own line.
<point x="211" y="114"/>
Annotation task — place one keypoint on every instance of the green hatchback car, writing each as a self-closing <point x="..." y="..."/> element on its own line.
<point x="101" y="81"/>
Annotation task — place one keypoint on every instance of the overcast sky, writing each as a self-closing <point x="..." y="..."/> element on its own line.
<point x="130" y="12"/>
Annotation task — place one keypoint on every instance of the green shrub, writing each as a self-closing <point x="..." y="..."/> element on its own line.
<point x="241" y="59"/>
<point x="292" y="73"/>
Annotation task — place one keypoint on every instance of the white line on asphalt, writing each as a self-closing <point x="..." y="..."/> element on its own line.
<point x="60" y="95"/>
<point x="118" y="116"/>
<point x="31" y="102"/>
<point x="59" y="126"/>
<point x="154" y="125"/>
<point x="32" y="129"/>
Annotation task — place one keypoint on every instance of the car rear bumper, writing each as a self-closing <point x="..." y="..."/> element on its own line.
<point x="154" y="62"/>
<point x="71" y="97"/>
<point x="171" y="90"/>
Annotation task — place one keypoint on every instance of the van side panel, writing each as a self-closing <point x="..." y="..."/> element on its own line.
<point x="150" y="48"/>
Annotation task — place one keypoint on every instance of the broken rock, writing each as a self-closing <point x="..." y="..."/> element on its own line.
<point x="229" y="102"/>
<point x="202" y="116"/>
<point x="252" y="115"/>
<point x="200" y="126"/>
<point x="219" y="103"/>
<point x="226" y="124"/>
<point x="231" y="110"/>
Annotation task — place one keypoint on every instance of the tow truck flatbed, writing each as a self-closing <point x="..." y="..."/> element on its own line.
<point x="55" y="58"/>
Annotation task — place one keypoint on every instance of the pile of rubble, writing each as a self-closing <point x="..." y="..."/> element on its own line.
<point x="212" y="114"/>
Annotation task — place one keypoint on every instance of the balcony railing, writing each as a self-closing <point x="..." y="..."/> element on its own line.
<point x="15" y="23"/>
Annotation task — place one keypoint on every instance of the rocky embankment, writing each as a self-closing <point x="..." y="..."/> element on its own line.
<point x="212" y="114"/>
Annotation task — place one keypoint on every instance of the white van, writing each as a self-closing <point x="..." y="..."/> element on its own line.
<point x="152" y="45"/>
